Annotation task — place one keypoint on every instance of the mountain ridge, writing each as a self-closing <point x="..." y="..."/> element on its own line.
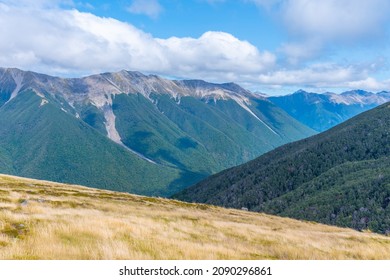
<point x="323" y="111"/>
<point x="190" y="128"/>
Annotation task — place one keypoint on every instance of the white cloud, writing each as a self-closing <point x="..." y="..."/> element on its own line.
<point x="316" y="28"/>
<point x="336" y="19"/>
<point x="331" y="19"/>
<point x="59" y="41"/>
<point x="331" y="75"/>
<point x="216" y="52"/>
<point x="325" y="76"/>
<point x="68" y="42"/>
<point x="369" y="84"/>
<point x="302" y="51"/>
<point x="151" y="8"/>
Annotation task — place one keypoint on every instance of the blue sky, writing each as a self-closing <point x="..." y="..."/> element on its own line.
<point x="193" y="18"/>
<point x="272" y="46"/>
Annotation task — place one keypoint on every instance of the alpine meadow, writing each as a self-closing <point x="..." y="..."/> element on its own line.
<point x="44" y="220"/>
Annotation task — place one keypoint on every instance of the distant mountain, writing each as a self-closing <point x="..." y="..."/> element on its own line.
<point x="323" y="111"/>
<point x="132" y="132"/>
<point x="339" y="177"/>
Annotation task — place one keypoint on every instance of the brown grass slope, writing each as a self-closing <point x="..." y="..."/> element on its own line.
<point x="45" y="220"/>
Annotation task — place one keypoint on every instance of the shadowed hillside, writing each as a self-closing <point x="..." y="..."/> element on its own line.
<point x="339" y="177"/>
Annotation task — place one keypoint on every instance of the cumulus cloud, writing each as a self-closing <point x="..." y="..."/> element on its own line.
<point x="58" y="40"/>
<point x="151" y="8"/>
<point x="61" y="41"/>
<point x="216" y="52"/>
<point x="369" y="84"/>
<point x="41" y="36"/>
<point x="315" y="28"/>
<point x="331" y="19"/>
<point x="295" y="52"/>
<point x="318" y="74"/>
<point x="336" y="19"/>
<point x="325" y="76"/>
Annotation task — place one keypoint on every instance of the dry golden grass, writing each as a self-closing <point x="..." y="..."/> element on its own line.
<point x="44" y="220"/>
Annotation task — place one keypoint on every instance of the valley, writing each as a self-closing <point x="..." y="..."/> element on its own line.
<point x="143" y="134"/>
<point x="147" y="134"/>
<point x="194" y="130"/>
<point x="339" y="177"/>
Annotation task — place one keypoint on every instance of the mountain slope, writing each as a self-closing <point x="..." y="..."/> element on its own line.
<point x="46" y="220"/>
<point x="339" y="177"/>
<point x="323" y="111"/>
<point x="181" y="131"/>
<point x="42" y="141"/>
<point x="353" y="194"/>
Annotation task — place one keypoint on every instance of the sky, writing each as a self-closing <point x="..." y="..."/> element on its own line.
<point x="271" y="46"/>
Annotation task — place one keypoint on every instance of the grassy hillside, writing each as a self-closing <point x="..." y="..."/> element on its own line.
<point x="339" y="177"/>
<point x="45" y="220"/>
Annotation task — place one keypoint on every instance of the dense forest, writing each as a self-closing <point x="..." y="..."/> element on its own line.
<point x="341" y="177"/>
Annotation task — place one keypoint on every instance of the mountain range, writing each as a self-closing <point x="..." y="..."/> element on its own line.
<point x="339" y="177"/>
<point x="323" y="111"/>
<point x="132" y="132"/>
<point x="144" y="134"/>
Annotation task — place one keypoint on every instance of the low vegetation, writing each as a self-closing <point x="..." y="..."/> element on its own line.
<point x="44" y="220"/>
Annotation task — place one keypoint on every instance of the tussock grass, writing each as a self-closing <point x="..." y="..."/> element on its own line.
<point x="45" y="220"/>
